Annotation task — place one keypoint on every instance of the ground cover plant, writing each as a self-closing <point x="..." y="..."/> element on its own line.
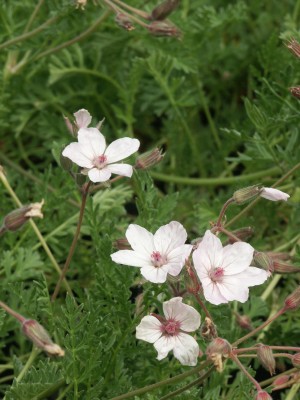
<point x="149" y="168"/>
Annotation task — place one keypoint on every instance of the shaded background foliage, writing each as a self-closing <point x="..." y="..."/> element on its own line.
<point x="217" y="101"/>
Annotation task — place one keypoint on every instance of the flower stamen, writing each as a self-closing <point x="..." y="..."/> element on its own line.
<point x="100" y="161"/>
<point x="216" y="274"/>
<point x="157" y="259"/>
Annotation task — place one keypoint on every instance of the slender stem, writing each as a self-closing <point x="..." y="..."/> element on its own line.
<point x="269" y="289"/>
<point x="78" y="38"/>
<point x="130" y="16"/>
<point x="157" y="385"/>
<point x="293" y="391"/>
<point x="243" y="369"/>
<point x="270" y="380"/>
<point x="33" y="15"/>
<point x="13" y="313"/>
<point x="141" y="13"/>
<point x="213" y="181"/>
<point x="259" y="328"/>
<point x="30" y="34"/>
<point x="2" y="230"/>
<point x="229" y="234"/>
<point x="34" y="353"/>
<point x="202" y="305"/>
<point x="223" y="210"/>
<point x="189" y="385"/>
<point x="75" y="239"/>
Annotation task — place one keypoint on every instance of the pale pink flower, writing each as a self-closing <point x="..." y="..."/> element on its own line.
<point x="99" y="161"/>
<point x="169" y="333"/>
<point x="83" y="118"/>
<point x="157" y="255"/>
<point x="225" y="273"/>
<point x="274" y="194"/>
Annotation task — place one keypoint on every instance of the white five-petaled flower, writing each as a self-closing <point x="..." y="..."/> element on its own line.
<point x="169" y="332"/>
<point x="225" y="273"/>
<point x="99" y="161"/>
<point x="274" y="194"/>
<point x="157" y="255"/>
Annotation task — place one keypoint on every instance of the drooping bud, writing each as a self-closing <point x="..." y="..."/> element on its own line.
<point x="122" y="244"/>
<point x="149" y="159"/>
<point x="241" y="196"/>
<point x="208" y="329"/>
<point x="17" y="218"/>
<point x="284" y="268"/>
<point x="243" y="234"/>
<point x="292" y="302"/>
<point x="262" y="395"/>
<point x="40" y="337"/>
<point x="296" y="360"/>
<point x="244" y="321"/>
<point x="123" y="21"/>
<point x="295" y="91"/>
<point x="163" y="28"/>
<point x="265" y="356"/>
<point x="294" y="47"/>
<point x="263" y="260"/>
<point x="164" y="9"/>
<point x="217" y="350"/>
<point x="280" y="381"/>
<point x="191" y="281"/>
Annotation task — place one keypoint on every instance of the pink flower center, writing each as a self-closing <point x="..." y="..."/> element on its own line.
<point x="157" y="259"/>
<point x="216" y="274"/>
<point x="171" y="327"/>
<point x="100" y="161"/>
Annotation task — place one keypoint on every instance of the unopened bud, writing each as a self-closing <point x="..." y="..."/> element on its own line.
<point x="263" y="260"/>
<point x="281" y="380"/>
<point x="124" y="22"/>
<point x="191" y="281"/>
<point x="149" y="159"/>
<point x="295" y="91"/>
<point x="217" y="350"/>
<point x="122" y="244"/>
<point x="244" y="321"/>
<point x="208" y="329"/>
<point x="164" y="9"/>
<point x="17" y="218"/>
<point x="292" y="302"/>
<point x="163" y="28"/>
<point x="262" y="395"/>
<point x="294" y="47"/>
<point x="243" y="234"/>
<point x="40" y="337"/>
<point x="71" y="127"/>
<point x="284" y="268"/>
<point x="265" y="356"/>
<point x="296" y="360"/>
<point x="241" y="196"/>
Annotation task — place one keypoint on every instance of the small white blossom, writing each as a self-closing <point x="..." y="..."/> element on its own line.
<point x="225" y="273"/>
<point x="274" y="194"/>
<point x="157" y="255"/>
<point x="99" y="161"/>
<point x="83" y="118"/>
<point x="169" y="333"/>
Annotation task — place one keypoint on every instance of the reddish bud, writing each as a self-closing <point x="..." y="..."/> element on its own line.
<point x="262" y="395"/>
<point x="243" y="195"/>
<point x="191" y="281"/>
<point x="244" y="321"/>
<point x="149" y="159"/>
<point x="163" y="28"/>
<point x="294" y="47"/>
<point x="292" y="302"/>
<point x="217" y="350"/>
<point x="164" y="9"/>
<point x="295" y="91"/>
<point x="296" y="360"/>
<point x="124" y="22"/>
<point x="281" y="380"/>
<point x="17" y="218"/>
<point x="265" y="356"/>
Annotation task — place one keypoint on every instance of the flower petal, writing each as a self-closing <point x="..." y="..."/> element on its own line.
<point x="92" y="142"/>
<point x="149" y="329"/>
<point x="120" y="169"/>
<point x="177" y="257"/>
<point x="74" y="152"/>
<point x="236" y="257"/>
<point x="212" y="292"/>
<point x="188" y="317"/>
<point x="99" y="175"/>
<point x="274" y="194"/>
<point x="83" y="118"/>
<point x="169" y="236"/>
<point x="253" y="276"/>
<point x="232" y="288"/>
<point x="155" y="275"/>
<point x="131" y="258"/>
<point x="140" y="240"/>
<point x="121" y="148"/>
<point x="208" y="255"/>
<point x="163" y="345"/>
<point x="186" y="349"/>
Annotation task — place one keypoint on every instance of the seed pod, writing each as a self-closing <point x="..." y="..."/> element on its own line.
<point x="164" y="9"/>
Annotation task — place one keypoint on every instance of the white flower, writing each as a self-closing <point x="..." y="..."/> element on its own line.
<point x="99" y="161"/>
<point x="169" y="333"/>
<point x="157" y="255"/>
<point x="83" y="118"/>
<point x="225" y="273"/>
<point x="274" y="194"/>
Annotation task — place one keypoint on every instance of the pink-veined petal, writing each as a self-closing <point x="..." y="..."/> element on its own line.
<point x="186" y="349"/>
<point x="232" y="288"/>
<point x="83" y="118"/>
<point x="131" y="258"/>
<point x="212" y="293"/>
<point x="188" y="317"/>
<point x="99" y="175"/>
<point x="253" y="276"/>
<point x="169" y="236"/>
<point x="92" y="140"/>
<point x="140" y="240"/>
<point x="236" y="257"/>
<point x="121" y="148"/>
<point x="208" y="255"/>
<point x="163" y="345"/>
<point x="155" y="275"/>
<point x="74" y="152"/>
<point x="149" y="329"/>
<point x="120" y="169"/>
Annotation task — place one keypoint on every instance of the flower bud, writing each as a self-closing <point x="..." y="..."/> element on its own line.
<point x="123" y="21"/>
<point x="244" y="321"/>
<point x="296" y="360"/>
<point x="292" y="302"/>
<point x="295" y="91"/>
<point x="40" y="337"/>
<point x="191" y="281"/>
<point x="241" y="196"/>
<point x="264" y="261"/>
<point x="284" y="268"/>
<point x="294" y="47"/>
<point x="149" y="159"/>
<point x="163" y="28"/>
<point x="265" y="356"/>
<point x="164" y="9"/>
<point x="262" y="395"/>
<point x="217" y="350"/>
<point x="273" y="194"/>
<point x="17" y="218"/>
<point x="208" y="329"/>
<point x="281" y="380"/>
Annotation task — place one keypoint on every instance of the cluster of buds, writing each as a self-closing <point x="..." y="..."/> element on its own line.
<point x="294" y="47"/>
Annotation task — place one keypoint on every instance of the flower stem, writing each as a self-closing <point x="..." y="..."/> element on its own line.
<point x="74" y="242"/>
<point x="229" y="234"/>
<point x="243" y="369"/>
<point x="157" y="385"/>
<point x="142" y="14"/>
<point x="13" y="313"/>
<point x="33" y="15"/>
<point x="202" y="305"/>
<point x="34" y="353"/>
<point x="223" y="210"/>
